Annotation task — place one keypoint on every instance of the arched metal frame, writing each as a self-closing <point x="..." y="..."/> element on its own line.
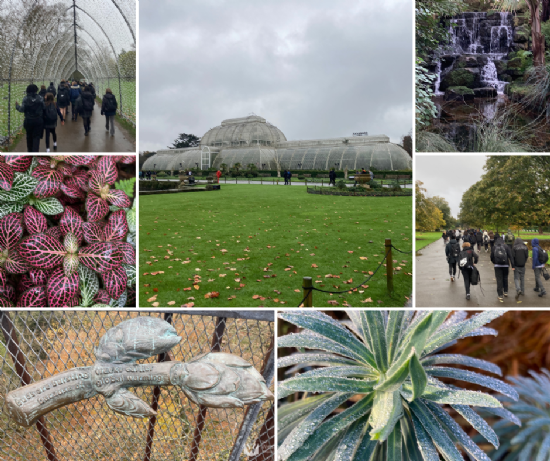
<point x="39" y="44"/>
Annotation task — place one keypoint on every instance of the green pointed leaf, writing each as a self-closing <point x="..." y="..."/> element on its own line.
<point x="386" y="411"/>
<point x="341" y="372"/>
<point x="419" y="379"/>
<point x="393" y="332"/>
<point x="452" y="396"/>
<point x="373" y="324"/>
<point x="290" y="412"/>
<point x="395" y="377"/>
<point x="415" y="339"/>
<point x="313" y="358"/>
<point x="23" y="186"/>
<point x="298" y="384"/>
<point x="126" y="185"/>
<point x="455" y="359"/>
<point x="425" y="443"/>
<point x="395" y="444"/>
<point x="313" y="341"/>
<point x="366" y="449"/>
<point x="347" y="446"/>
<point x="478" y="423"/>
<point x="49" y="206"/>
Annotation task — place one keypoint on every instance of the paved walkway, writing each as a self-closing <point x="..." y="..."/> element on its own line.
<point x="435" y="289"/>
<point x="70" y="137"/>
<point x="270" y="182"/>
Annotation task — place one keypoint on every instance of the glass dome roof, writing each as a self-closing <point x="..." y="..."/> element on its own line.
<point x="244" y="131"/>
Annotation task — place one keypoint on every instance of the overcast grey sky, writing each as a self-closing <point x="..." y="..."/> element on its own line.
<point x="449" y="176"/>
<point x="313" y="68"/>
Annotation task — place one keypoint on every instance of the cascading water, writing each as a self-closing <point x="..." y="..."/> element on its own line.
<point x="489" y="77"/>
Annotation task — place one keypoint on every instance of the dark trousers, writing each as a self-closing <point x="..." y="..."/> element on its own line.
<point x="501" y="274"/>
<point x="452" y="269"/>
<point x="73" y="110"/>
<point x="54" y="136"/>
<point x="34" y="128"/>
<point x="286" y="181"/>
<point x="486" y="245"/>
<point x="86" y="122"/>
<point x="466" y="276"/>
<point x="478" y="246"/>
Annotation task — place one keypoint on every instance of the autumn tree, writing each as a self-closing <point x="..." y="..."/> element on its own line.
<point x="428" y="216"/>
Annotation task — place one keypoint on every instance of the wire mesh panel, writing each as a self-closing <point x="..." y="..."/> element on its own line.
<point x="54" y="341"/>
<point x="46" y="41"/>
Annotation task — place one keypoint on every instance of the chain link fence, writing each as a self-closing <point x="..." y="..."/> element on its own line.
<point x="44" y="41"/>
<point x="36" y="345"/>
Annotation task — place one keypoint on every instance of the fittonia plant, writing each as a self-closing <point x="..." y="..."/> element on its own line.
<point x="390" y="364"/>
<point x="531" y="442"/>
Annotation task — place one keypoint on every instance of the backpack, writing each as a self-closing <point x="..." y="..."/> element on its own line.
<point x="474" y="276"/>
<point x="486" y="239"/>
<point x="455" y="250"/>
<point x="508" y="239"/>
<point x="33" y="107"/>
<point x="110" y="104"/>
<point x="501" y="257"/>
<point x="62" y="95"/>
<point x="87" y="104"/>
<point x="465" y="259"/>
<point x="543" y="256"/>
<point x="50" y="114"/>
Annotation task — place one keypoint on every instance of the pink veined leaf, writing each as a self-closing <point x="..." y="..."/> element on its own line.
<point x="62" y="289"/>
<point x="71" y="222"/>
<point x="15" y="264"/>
<point x="6" y="176"/>
<point x="34" y="220"/>
<point x="80" y="160"/>
<point x="50" y="181"/>
<point x="102" y="297"/>
<point x="81" y="177"/>
<point x="3" y="277"/>
<point x="70" y="243"/>
<point x="55" y="232"/>
<point x="8" y="292"/>
<point x="11" y="230"/>
<point x="25" y="283"/>
<point x="131" y="297"/>
<point x="96" y="182"/>
<point x="4" y="302"/>
<point x="72" y="191"/>
<point x="96" y="207"/>
<point x="64" y="169"/>
<point x="118" y="198"/>
<point x="39" y="276"/>
<point x="107" y="167"/>
<point x="128" y="253"/>
<point x="33" y="297"/>
<point x="19" y="163"/>
<point x="70" y="264"/>
<point x="44" y="160"/>
<point x="101" y="257"/>
<point x="115" y="282"/>
<point x="93" y="232"/>
<point x="42" y="251"/>
<point x="126" y="159"/>
<point x="117" y="227"/>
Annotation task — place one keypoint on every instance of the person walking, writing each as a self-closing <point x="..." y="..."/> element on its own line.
<point x="43" y="92"/>
<point x="75" y="94"/>
<point x="501" y="257"/>
<point x="491" y="240"/>
<point x="218" y="175"/>
<point x="486" y="240"/>
<point x="52" y="90"/>
<point x="444" y="236"/>
<point x="509" y="239"/>
<point x="520" y="254"/>
<point x="63" y="98"/>
<point x="51" y="112"/>
<point x="540" y="257"/>
<point x="452" y="251"/>
<point x="332" y="177"/>
<point x="92" y="89"/>
<point x="467" y="259"/>
<point x="479" y="240"/>
<point x="108" y="108"/>
<point x="33" y="108"/>
<point x="85" y="106"/>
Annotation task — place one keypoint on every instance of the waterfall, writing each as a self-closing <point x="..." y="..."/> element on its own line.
<point x="501" y="35"/>
<point x="437" y="83"/>
<point x="490" y="78"/>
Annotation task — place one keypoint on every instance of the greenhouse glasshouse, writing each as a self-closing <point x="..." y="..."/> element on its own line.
<point x="47" y="42"/>
<point x="253" y="140"/>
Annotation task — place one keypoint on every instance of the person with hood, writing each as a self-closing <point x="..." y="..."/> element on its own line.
<point x="85" y="106"/>
<point x="108" y="108"/>
<point x="491" y="240"/>
<point x="75" y="94"/>
<point x="486" y="240"/>
<point x="33" y="108"/>
<point x="452" y="251"/>
<point x="538" y="266"/>
<point x="43" y="92"/>
<point x="92" y="89"/>
<point x="52" y="90"/>
<point x="501" y="257"/>
<point x="332" y="177"/>
<point x="63" y="98"/>
<point x="467" y="259"/>
<point x="51" y="111"/>
<point x="520" y="254"/>
<point x="509" y="239"/>
<point x="479" y="240"/>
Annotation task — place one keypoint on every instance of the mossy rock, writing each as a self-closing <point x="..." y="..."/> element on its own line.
<point x="522" y="34"/>
<point x="459" y="93"/>
<point x="516" y="91"/>
<point x="501" y="66"/>
<point x="458" y="77"/>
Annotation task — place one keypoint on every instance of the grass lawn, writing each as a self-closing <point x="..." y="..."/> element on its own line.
<point x="253" y="245"/>
<point x="423" y="239"/>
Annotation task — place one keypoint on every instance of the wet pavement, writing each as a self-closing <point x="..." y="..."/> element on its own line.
<point x="70" y="137"/>
<point x="435" y="289"/>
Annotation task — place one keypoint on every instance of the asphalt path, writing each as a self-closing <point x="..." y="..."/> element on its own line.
<point x="435" y="289"/>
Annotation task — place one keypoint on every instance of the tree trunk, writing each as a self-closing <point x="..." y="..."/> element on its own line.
<point x="536" y="34"/>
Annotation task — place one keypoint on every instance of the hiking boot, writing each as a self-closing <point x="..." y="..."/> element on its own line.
<point x="467" y="295"/>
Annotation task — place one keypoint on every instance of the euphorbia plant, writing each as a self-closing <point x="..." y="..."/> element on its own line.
<point x="390" y="364"/>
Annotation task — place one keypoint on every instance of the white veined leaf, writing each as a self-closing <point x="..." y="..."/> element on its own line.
<point x="11" y="207"/>
<point x="131" y="274"/>
<point x="23" y="186"/>
<point x="88" y="284"/>
<point x="121" y="301"/>
<point x="131" y="219"/>
<point x="49" y="206"/>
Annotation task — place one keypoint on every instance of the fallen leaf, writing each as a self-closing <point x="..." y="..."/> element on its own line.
<point x="196" y="287"/>
<point x="333" y="302"/>
<point x="171" y="303"/>
<point x="368" y="300"/>
<point x="156" y="304"/>
<point x="150" y="300"/>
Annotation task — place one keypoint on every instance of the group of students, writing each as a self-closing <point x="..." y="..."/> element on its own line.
<point x="41" y="110"/>
<point x="506" y="252"/>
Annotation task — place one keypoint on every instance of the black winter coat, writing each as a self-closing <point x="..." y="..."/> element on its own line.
<point x="450" y="258"/>
<point x="510" y="257"/>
